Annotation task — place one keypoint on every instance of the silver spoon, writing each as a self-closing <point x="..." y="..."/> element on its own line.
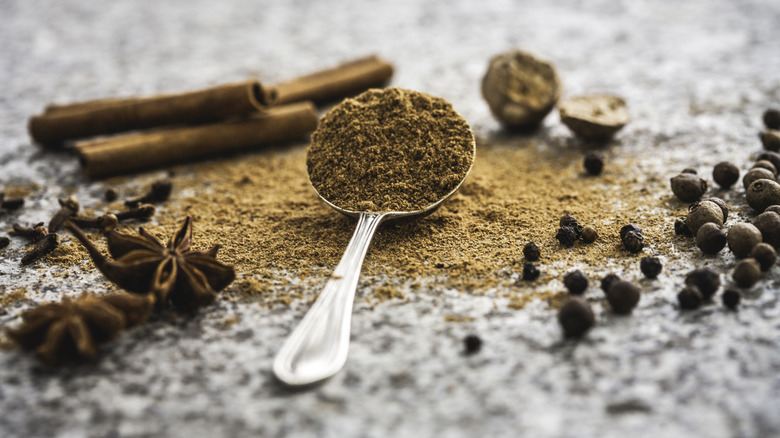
<point x="318" y="347"/>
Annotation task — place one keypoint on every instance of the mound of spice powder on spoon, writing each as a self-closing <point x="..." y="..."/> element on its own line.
<point x="389" y="150"/>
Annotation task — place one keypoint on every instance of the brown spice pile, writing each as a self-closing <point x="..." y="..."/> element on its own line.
<point x="390" y="150"/>
<point x="284" y="242"/>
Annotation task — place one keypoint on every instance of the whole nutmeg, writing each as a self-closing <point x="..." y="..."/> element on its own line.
<point x="742" y="238"/>
<point x="762" y="193"/>
<point x="701" y="213"/>
<point x="589" y="234"/>
<point x="770" y="139"/>
<point x="765" y="164"/>
<point x="723" y="207"/>
<point x="690" y="297"/>
<point x="520" y="89"/>
<point x="576" y="317"/>
<point x="725" y="174"/>
<point x="710" y="239"/>
<point x="707" y="280"/>
<point x="688" y="187"/>
<point x="768" y="223"/>
<point x="765" y="255"/>
<point x="756" y="174"/>
<point x="623" y="296"/>
<point x="596" y="117"/>
<point x="633" y="242"/>
<point x="747" y="272"/>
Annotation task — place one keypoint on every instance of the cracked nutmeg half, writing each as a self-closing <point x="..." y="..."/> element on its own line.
<point x="173" y="272"/>
<point x="72" y="329"/>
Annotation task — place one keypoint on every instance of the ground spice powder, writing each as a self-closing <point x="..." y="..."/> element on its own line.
<point x="389" y="150"/>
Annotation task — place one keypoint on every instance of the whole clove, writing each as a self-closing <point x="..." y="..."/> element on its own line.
<point x="68" y="207"/>
<point x="142" y="212"/>
<point x="107" y="221"/>
<point x="41" y="248"/>
<point x="159" y="192"/>
<point x="34" y="233"/>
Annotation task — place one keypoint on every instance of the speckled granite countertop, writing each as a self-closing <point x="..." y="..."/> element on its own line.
<point x="697" y="76"/>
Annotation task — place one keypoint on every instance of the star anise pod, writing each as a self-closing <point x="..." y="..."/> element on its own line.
<point x="173" y="273"/>
<point x="72" y="329"/>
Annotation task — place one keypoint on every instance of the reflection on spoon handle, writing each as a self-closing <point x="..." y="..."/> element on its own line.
<point x="317" y="348"/>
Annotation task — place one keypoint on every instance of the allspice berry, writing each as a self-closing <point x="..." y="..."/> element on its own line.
<point x="701" y="213"/>
<point x="576" y="282"/>
<point x="650" y="266"/>
<point x="765" y="255"/>
<point x="765" y="164"/>
<point x="608" y="281"/>
<point x="742" y="238"/>
<point x="707" y="280"/>
<point x="589" y="234"/>
<point x="725" y="174"/>
<point x="531" y="252"/>
<point x="688" y="187"/>
<point x="772" y="118"/>
<point x="756" y="174"/>
<point x="710" y="239"/>
<point x="770" y="139"/>
<point x="723" y="207"/>
<point x="595" y="117"/>
<point x="731" y="298"/>
<point x="594" y="162"/>
<point x="746" y="273"/>
<point x="690" y="298"/>
<point x="576" y="317"/>
<point x="762" y="193"/>
<point x="681" y="228"/>
<point x="530" y="272"/>
<point x="772" y="156"/>
<point x="774" y="208"/>
<point x="768" y="223"/>
<point x="623" y="296"/>
<point x="520" y="89"/>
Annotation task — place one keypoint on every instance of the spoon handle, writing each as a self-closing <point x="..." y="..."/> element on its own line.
<point x="318" y="347"/>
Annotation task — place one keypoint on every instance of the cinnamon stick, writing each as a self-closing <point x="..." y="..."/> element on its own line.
<point x="86" y="119"/>
<point x="121" y="154"/>
<point x="344" y="80"/>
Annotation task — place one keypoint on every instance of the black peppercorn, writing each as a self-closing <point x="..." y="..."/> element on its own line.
<point x="608" y="281"/>
<point x="633" y="242"/>
<point x="772" y="118"/>
<point x="681" y="228"/>
<point x="623" y="296"/>
<point x="765" y="255"/>
<point x="747" y="272"/>
<point x="731" y="298"/>
<point x="707" y="280"/>
<point x="531" y="252"/>
<point x="710" y="238"/>
<point x="594" y="162"/>
<point x="650" y="266"/>
<point x="576" y="317"/>
<point x="472" y="343"/>
<point x="725" y="174"/>
<point x="567" y="236"/>
<point x="530" y="272"/>
<point x="576" y="282"/>
<point x="626" y="228"/>
<point x="589" y="234"/>
<point x="568" y="220"/>
<point x="690" y="297"/>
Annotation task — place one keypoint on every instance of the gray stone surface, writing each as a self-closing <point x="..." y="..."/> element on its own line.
<point x="697" y="76"/>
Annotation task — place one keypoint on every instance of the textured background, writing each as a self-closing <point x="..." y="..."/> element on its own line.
<point x="697" y="76"/>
